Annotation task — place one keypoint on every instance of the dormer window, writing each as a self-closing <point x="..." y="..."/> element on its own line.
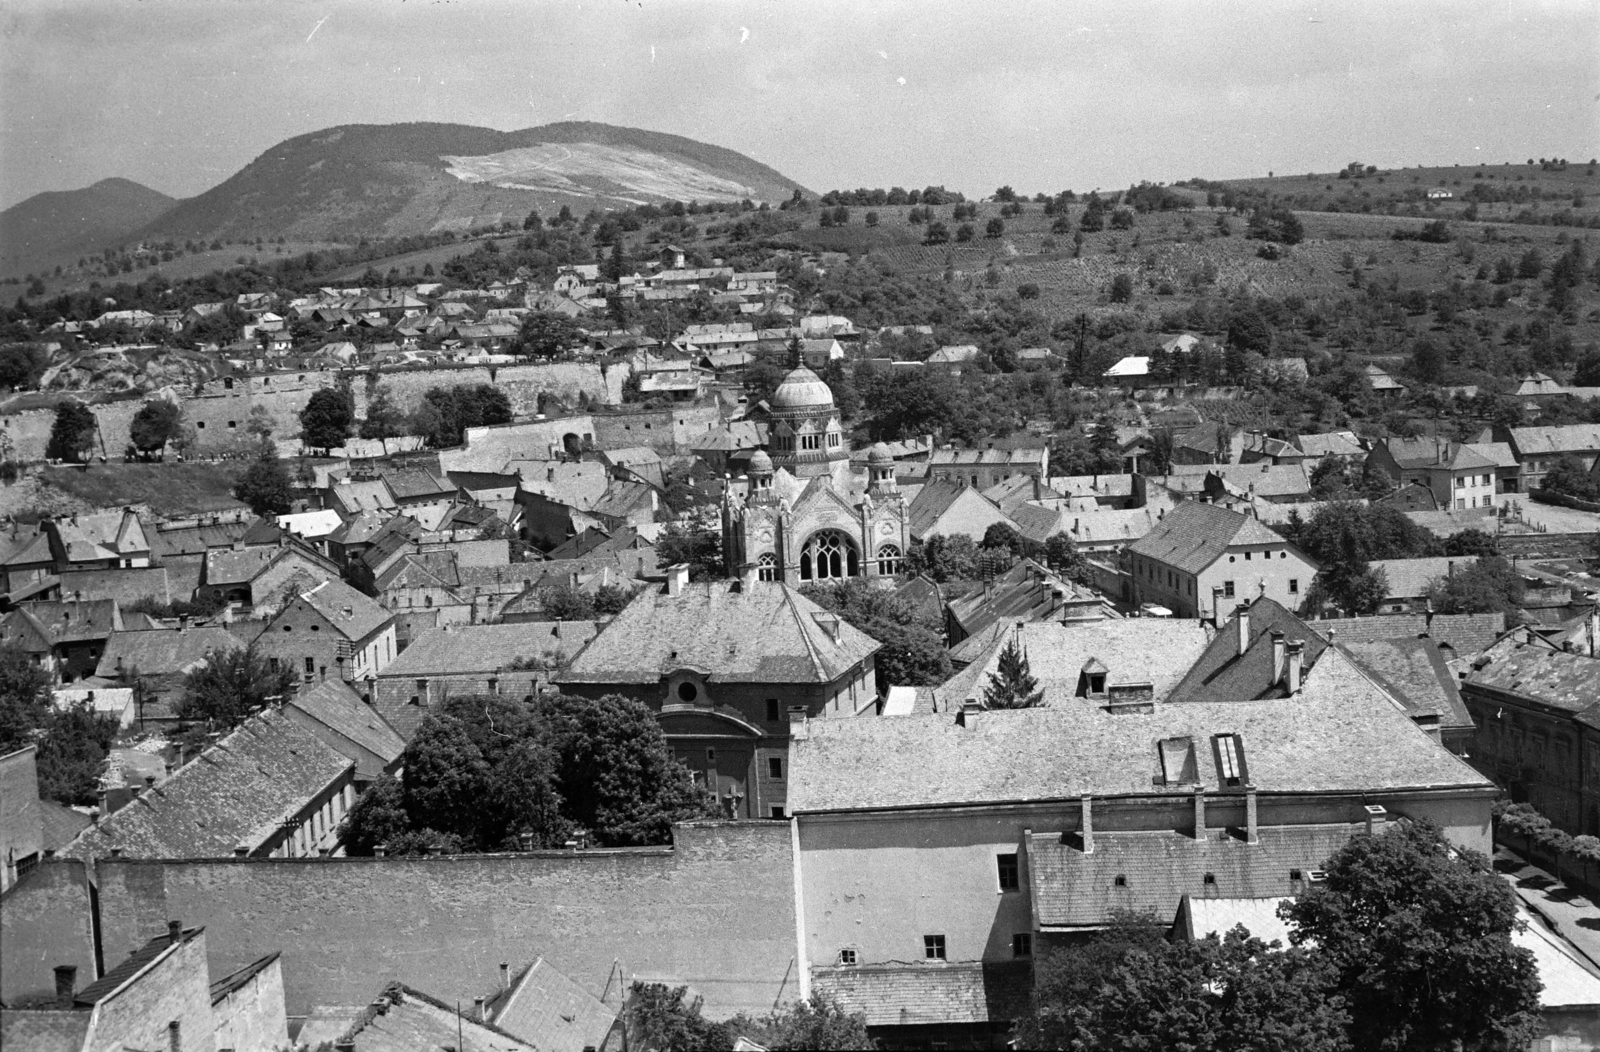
<point x="1230" y="759"/>
<point x="1092" y="679"/>
<point x="1097" y="683"/>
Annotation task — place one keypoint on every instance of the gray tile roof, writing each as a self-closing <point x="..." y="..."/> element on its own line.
<point x="1193" y="535"/>
<point x="764" y="632"/>
<point x="1072" y="889"/>
<point x="162" y="651"/>
<point x="1555" y="440"/>
<point x="1463" y="633"/>
<point x="236" y="792"/>
<point x="934" y="992"/>
<point x="335" y="705"/>
<point x="1410" y="578"/>
<point x="1551" y="677"/>
<point x="124" y="585"/>
<point x="1223" y="674"/>
<point x="350" y="611"/>
<point x="1428" y="452"/>
<point x="1340" y="734"/>
<point x="457" y="650"/>
<point x="1415" y="673"/>
<point x="552" y="1013"/>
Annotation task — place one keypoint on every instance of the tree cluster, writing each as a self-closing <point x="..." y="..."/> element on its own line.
<point x="72" y="742"/>
<point x="658" y="1016"/>
<point x="492" y="773"/>
<point x="913" y="651"/>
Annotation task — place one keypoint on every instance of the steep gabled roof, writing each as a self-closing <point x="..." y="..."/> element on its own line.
<point x="761" y="632"/>
<point x="1414" y="672"/>
<point x="459" y="650"/>
<point x="335" y="705"/>
<point x="1193" y="535"/>
<point x="1463" y="633"/>
<point x="1550" y="677"/>
<point x="351" y="612"/>
<point x="235" y="793"/>
<point x="162" y="651"/>
<point x="1223" y="674"/>
<point x="552" y="1013"/>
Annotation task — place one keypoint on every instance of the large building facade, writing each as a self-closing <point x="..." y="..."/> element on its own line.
<point x="806" y="517"/>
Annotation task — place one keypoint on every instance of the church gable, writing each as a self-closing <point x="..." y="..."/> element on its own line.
<point x="822" y="500"/>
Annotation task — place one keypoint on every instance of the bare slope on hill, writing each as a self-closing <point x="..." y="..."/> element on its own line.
<point x="60" y="225"/>
<point x="390" y="180"/>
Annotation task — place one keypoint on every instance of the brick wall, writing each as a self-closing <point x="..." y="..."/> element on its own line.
<point x="716" y="912"/>
<point x="45" y="921"/>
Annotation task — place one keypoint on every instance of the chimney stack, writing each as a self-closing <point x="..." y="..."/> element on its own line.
<point x="1199" y="812"/>
<point x="174" y="1036"/>
<point x="677" y="578"/>
<point x="174" y="931"/>
<point x="1294" y="654"/>
<point x="66" y="980"/>
<point x="1251" y="836"/>
<point x="1241" y="619"/>
<point x="1087" y="832"/>
<point x="1377" y="819"/>
<point x="1277" y="656"/>
<point x="479" y="1012"/>
<point x="505" y="975"/>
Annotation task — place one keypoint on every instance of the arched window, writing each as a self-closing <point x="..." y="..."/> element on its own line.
<point x="889" y="560"/>
<point x="767" y="567"/>
<point x="829" y="554"/>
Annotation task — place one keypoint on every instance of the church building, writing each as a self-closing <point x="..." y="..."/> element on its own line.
<point x="806" y="516"/>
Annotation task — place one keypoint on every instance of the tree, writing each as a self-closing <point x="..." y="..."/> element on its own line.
<point x="266" y="485"/>
<point x="231" y="686"/>
<point x="615" y="771"/>
<point x="1428" y="360"/>
<point x="1012" y="685"/>
<point x="1062" y="554"/>
<point x="22" y="365"/>
<point x="815" y="1023"/>
<point x="659" y="1017"/>
<point x="73" y="433"/>
<point x="994" y="228"/>
<point x="1121" y="288"/>
<point x="1004" y="536"/>
<point x="72" y="754"/>
<point x="1130" y="989"/>
<point x="913" y="651"/>
<point x="936" y="234"/>
<point x="1418" y="932"/>
<point x="1487" y="586"/>
<point x="1568" y="477"/>
<point x="24" y="698"/>
<point x="326" y="419"/>
<point x="385" y="419"/>
<point x="700" y="549"/>
<point x="905" y="406"/>
<point x="546" y="334"/>
<point x="154" y="425"/>
<point x="447" y="412"/>
<point x="564" y="602"/>
<point x="377" y="817"/>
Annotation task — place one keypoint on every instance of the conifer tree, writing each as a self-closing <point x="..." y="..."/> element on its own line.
<point x="1012" y="685"/>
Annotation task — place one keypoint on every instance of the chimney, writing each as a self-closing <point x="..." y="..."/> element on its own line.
<point x="241" y="850"/>
<point x="1377" y="819"/>
<point x="1250" y="834"/>
<point x="677" y="578"/>
<point x="174" y="931"/>
<point x="66" y="980"/>
<point x="1293" y="677"/>
<point x="525" y="841"/>
<point x="174" y="1037"/>
<point x="380" y="850"/>
<point x="1199" y="812"/>
<point x="1277" y="656"/>
<point x="1241" y="621"/>
<point x="505" y="976"/>
<point x="1087" y="826"/>
<point x="479" y="1012"/>
<point x="968" y="716"/>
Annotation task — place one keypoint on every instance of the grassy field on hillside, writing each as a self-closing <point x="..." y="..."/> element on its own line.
<point x="168" y="489"/>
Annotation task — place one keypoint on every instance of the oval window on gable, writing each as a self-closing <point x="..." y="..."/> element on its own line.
<point x="687" y="691"/>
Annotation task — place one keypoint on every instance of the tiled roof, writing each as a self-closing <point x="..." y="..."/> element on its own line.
<point x="162" y="651"/>
<point x="1410" y="578"/>
<point x="552" y="1013"/>
<point x="1073" y="889"/>
<point x="1428" y="452"/>
<point x="934" y="992"/>
<point x="1463" y="633"/>
<point x="457" y="650"/>
<point x="1020" y="457"/>
<point x="1110" y="525"/>
<point x="1264" y="478"/>
<point x="194" y="540"/>
<point x="416" y="483"/>
<point x="763" y="632"/>
<point x="1552" y="441"/>
<point x="1446" y="522"/>
<point x="1218" y="916"/>
<point x="236" y="792"/>
<point x="1551" y="677"/>
<point x="1154" y="650"/>
<point x="334" y="704"/>
<point x="411" y="1021"/>
<point x="1223" y="674"/>
<point x="126" y="586"/>
<point x="350" y="611"/>
<point x="69" y="622"/>
<point x="1192" y="536"/>
<point x="1333" y="443"/>
<point x="131" y="966"/>
<point x="226" y="566"/>
<point x="939" y="496"/>
<point x="1027" y="591"/>
<point x="45" y="1029"/>
<point x="1340" y="734"/>
<point x="1497" y="453"/>
<point x="1415" y="673"/>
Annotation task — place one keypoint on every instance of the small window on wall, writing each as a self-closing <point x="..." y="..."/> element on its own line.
<point x="775" y="812"/>
<point x="711" y="756"/>
<point x="1294" y="586"/>
<point x="1006" y="867"/>
<point x="772" y="710"/>
<point x="1022" y="944"/>
<point x="847" y="956"/>
<point x="933" y="948"/>
<point x="775" y="767"/>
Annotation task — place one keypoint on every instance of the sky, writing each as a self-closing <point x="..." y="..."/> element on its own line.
<point x="1043" y="96"/>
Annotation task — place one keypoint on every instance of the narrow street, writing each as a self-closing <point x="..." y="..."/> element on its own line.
<point x="1575" y="916"/>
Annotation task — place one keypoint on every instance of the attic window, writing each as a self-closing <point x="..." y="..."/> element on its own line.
<point x="1097" y="683"/>
<point x="1295" y="875"/>
<point x="1210" y="879"/>
<point x="1121" y="880"/>
<point x="847" y="956"/>
<point x="1230" y="759"/>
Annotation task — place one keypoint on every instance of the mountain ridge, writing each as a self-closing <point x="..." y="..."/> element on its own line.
<point x="57" y="226"/>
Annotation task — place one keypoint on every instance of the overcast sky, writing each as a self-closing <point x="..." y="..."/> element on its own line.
<point x="179" y="94"/>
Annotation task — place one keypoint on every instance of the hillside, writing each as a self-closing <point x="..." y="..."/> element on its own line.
<point x="58" y="226"/>
<point x="355" y="181"/>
